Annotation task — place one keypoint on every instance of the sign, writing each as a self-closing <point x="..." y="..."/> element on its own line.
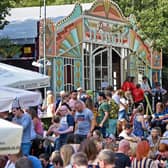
<point x="106" y="33"/>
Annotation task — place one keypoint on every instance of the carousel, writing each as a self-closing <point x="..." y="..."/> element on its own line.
<point x="97" y="47"/>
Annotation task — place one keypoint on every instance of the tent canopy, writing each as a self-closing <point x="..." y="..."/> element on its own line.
<point x="25" y="98"/>
<point x="11" y="135"/>
<point x="20" y="78"/>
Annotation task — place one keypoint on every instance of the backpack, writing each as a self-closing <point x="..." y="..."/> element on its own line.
<point x="114" y="108"/>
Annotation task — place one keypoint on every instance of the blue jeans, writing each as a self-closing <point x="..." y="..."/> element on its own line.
<point x="59" y="142"/>
<point x="112" y="126"/>
<point x="122" y="114"/>
<point x="25" y="148"/>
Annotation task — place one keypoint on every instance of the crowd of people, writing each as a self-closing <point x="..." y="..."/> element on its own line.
<point x="116" y="130"/>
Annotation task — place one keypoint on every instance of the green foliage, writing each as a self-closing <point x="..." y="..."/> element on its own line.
<point x="152" y="16"/>
<point x="8" y="49"/>
<point x="4" y="10"/>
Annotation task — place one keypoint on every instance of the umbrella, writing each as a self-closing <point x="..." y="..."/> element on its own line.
<point x="11" y="135"/>
<point x="25" y="98"/>
<point x="20" y="78"/>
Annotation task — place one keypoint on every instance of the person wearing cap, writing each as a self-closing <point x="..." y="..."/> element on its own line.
<point x="80" y="93"/>
<point x="23" y="119"/>
<point x="59" y="99"/>
<point x="103" y="113"/>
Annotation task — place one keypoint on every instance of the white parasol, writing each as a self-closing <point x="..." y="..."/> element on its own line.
<point x="11" y="135"/>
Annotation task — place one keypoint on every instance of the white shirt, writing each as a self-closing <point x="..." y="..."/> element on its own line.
<point x="116" y="98"/>
<point x="9" y="164"/>
<point x="123" y="101"/>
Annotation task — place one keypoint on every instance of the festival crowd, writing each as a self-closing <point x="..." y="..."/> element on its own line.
<point x="124" y="128"/>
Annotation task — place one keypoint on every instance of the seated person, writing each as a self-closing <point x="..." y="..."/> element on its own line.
<point x="127" y="133"/>
<point x="159" y="118"/>
<point x="153" y="140"/>
<point x="164" y="138"/>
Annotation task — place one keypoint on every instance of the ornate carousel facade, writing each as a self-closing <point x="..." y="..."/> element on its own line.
<point x="96" y="48"/>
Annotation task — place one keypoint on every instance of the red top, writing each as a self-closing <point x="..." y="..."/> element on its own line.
<point x="128" y="86"/>
<point x="138" y="94"/>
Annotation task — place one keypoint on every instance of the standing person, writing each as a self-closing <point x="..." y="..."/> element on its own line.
<point x="50" y="107"/>
<point x="122" y="115"/>
<point x="84" y="121"/>
<point x="145" y="85"/>
<point x="128" y="87"/>
<point x="138" y="95"/>
<point x="122" y="103"/>
<point x="90" y="105"/>
<point x="73" y="100"/>
<point x="25" y="121"/>
<point x="106" y="159"/>
<point x="66" y="125"/>
<point x="60" y="99"/>
<point x="38" y="126"/>
<point x="122" y="159"/>
<point x="81" y="94"/>
<point x="142" y="160"/>
<point x="103" y="113"/>
<point x="113" y="115"/>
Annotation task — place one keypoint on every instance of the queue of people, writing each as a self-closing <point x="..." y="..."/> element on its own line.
<point x="115" y="131"/>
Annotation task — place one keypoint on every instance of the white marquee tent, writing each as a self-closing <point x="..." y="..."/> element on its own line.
<point x="11" y="135"/>
<point x="25" y="98"/>
<point x="20" y="78"/>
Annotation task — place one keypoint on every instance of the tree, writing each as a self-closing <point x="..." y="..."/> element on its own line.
<point x="152" y="16"/>
<point x="5" y="6"/>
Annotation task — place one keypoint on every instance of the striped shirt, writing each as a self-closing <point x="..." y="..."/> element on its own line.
<point x="144" y="163"/>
